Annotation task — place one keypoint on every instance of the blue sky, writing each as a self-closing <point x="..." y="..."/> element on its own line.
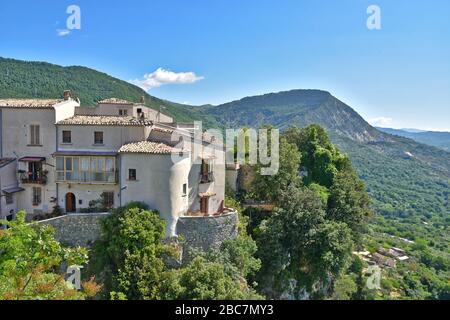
<point x="220" y="50"/>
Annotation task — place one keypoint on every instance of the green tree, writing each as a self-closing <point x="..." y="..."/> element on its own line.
<point x="130" y="253"/>
<point x="131" y="259"/>
<point x="268" y="188"/>
<point x="298" y="243"/>
<point x="320" y="158"/>
<point x="348" y="202"/>
<point x="29" y="258"/>
<point x="205" y="280"/>
<point x="344" y="288"/>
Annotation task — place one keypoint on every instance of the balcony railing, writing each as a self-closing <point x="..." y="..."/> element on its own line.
<point x="36" y="177"/>
<point x="83" y="177"/>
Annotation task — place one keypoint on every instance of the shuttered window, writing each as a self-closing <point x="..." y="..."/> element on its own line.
<point x="67" y="136"/>
<point x="37" y="196"/>
<point x="108" y="199"/>
<point x="35" y="135"/>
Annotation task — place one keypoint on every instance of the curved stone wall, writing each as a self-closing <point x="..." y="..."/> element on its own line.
<point x="201" y="233"/>
<point x="206" y="233"/>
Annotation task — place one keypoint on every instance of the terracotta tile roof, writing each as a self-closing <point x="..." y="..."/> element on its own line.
<point x="163" y="130"/>
<point x="30" y="103"/>
<point x="148" y="147"/>
<point x="5" y="161"/>
<point x="105" y="121"/>
<point x="115" y="101"/>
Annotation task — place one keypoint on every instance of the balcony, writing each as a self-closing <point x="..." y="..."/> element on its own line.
<point x="36" y="177"/>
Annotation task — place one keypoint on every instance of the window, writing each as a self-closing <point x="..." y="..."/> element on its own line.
<point x="35" y="135"/>
<point x="9" y="198"/>
<point x="86" y="169"/>
<point x="206" y="175"/>
<point x="184" y="189"/>
<point x="132" y="174"/>
<point x="98" y="137"/>
<point x="67" y="136"/>
<point x="37" y="196"/>
<point x="139" y="110"/>
<point x="123" y="112"/>
<point x="108" y="199"/>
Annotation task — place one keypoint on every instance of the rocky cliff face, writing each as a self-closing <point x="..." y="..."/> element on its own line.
<point x="297" y="108"/>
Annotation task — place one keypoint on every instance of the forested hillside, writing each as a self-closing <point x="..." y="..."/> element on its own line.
<point x="22" y="79"/>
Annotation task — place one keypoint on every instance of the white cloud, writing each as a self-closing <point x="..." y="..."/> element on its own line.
<point x="162" y="77"/>
<point x="381" y="122"/>
<point x="62" y="32"/>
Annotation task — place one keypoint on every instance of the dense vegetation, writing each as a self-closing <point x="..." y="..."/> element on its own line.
<point x="306" y="243"/>
<point x="133" y="261"/>
<point x="29" y="259"/>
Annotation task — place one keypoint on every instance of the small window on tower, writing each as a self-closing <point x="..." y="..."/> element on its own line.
<point x="67" y="136"/>
<point x="185" y="189"/>
<point x="98" y="137"/>
<point x="132" y="174"/>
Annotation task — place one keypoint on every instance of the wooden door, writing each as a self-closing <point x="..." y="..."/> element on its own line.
<point x="70" y="203"/>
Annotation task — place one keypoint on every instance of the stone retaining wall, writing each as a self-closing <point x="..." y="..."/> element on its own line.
<point x="206" y="233"/>
<point x="201" y="233"/>
<point x="76" y="229"/>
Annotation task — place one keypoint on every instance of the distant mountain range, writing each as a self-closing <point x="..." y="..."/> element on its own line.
<point x="405" y="178"/>
<point x="432" y="138"/>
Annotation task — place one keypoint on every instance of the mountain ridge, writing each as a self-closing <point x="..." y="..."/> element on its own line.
<point x="439" y="139"/>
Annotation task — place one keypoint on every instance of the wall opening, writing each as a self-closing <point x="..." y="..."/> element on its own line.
<point x="71" y="204"/>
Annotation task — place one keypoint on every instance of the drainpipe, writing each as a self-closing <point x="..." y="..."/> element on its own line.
<point x="54" y="171"/>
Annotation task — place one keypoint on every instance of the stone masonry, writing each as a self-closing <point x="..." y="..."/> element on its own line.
<point x="77" y="229"/>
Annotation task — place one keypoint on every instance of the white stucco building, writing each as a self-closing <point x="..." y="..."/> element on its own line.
<point x="54" y="153"/>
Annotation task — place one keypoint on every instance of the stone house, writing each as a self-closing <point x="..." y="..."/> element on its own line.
<point x="60" y="154"/>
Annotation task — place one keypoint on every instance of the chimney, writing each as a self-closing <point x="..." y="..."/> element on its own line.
<point x="142" y="99"/>
<point x="67" y="95"/>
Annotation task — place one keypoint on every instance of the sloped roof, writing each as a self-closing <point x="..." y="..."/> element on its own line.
<point x="148" y="147"/>
<point x="30" y="103"/>
<point x="105" y="121"/>
<point x="115" y="101"/>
